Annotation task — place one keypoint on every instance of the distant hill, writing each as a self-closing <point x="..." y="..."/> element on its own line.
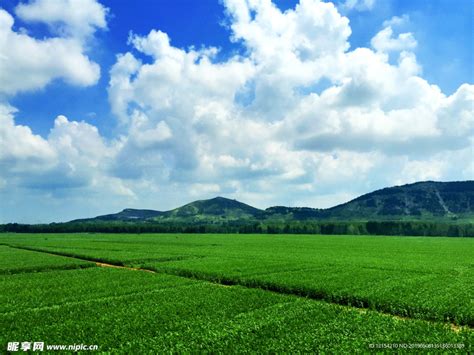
<point x="214" y="208"/>
<point x="421" y="200"/>
<point x="128" y="214"/>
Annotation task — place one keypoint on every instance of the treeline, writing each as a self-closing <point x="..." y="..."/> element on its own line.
<point x="407" y="228"/>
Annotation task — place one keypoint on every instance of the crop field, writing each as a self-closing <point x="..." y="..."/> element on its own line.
<point x="14" y="261"/>
<point x="240" y="293"/>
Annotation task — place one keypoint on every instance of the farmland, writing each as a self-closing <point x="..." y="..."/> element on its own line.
<point x="185" y="292"/>
<point x="16" y="261"/>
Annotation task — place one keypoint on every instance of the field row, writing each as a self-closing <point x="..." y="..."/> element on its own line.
<point x="408" y="295"/>
<point x="167" y="313"/>
<point x="425" y="278"/>
<point x="13" y="261"/>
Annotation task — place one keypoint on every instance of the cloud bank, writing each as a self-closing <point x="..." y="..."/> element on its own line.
<point x="299" y="118"/>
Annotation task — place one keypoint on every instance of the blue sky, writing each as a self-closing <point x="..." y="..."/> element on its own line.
<point x="443" y="30"/>
<point x="438" y="50"/>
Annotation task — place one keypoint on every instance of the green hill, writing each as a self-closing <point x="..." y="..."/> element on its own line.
<point x="218" y="208"/>
<point x="128" y="214"/>
<point x="419" y="201"/>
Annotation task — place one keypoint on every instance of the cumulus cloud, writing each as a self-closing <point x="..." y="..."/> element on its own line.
<point x="27" y="63"/>
<point x="261" y="126"/>
<point x="73" y="18"/>
<point x="248" y="120"/>
<point x="73" y="154"/>
<point x="20" y="149"/>
<point x="63" y="176"/>
<point x="385" y="42"/>
<point x="416" y="170"/>
<point x="289" y="50"/>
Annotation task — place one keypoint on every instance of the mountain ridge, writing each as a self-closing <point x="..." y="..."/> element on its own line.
<point x="419" y="200"/>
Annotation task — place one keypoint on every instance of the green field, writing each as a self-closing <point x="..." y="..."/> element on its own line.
<point x="241" y="293"/>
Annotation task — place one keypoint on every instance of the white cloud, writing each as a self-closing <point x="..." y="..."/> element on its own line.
<point x="359" y="5"/>
<point x="79" y="143"/>
<point x="384" y="41"/>
<point x="415" y="170"/>
<point x="120" y="86"/>
<point x="74" y="155"/>
<point x="397" y="21"/>
<point x="456" y="113"/>
<point x="279" y="135"/>
<point x="289" y="50"/>
<point x="204" y="190"/>
<point x="27" y="63"/>
<point x="20" y="149"/>
<point x="72" y="18"/>
<point x="258" y="126"/>
<point x="145" y="135"/>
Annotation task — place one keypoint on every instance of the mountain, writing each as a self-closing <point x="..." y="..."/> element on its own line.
<point x="421" y="200"/>
<point x="215" y="209"/>
<point x="128" y="214"/>
<point x="218" y="207"/>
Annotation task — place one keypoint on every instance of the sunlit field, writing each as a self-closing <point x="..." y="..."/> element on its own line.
<point x="185" y="292"/>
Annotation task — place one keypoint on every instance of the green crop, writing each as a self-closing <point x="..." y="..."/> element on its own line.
<point x="239" y="292"/>
<point x="134" y="312"/>
<point x="13" y="261"/>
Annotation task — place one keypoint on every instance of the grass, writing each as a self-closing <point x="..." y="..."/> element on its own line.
<point x="422" y="279"/>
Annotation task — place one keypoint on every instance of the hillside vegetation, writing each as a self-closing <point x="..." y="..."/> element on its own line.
<point x="421" y="209"/>
<point x="421" y="200"/>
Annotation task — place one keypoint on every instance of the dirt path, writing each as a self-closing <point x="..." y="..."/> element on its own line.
<point x="123" y="267"/>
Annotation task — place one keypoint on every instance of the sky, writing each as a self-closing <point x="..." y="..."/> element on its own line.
<point x="106" y="106"/>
